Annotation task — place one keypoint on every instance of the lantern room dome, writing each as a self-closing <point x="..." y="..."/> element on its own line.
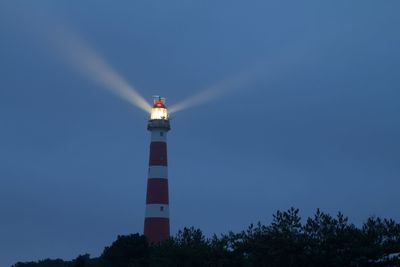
<point x="159" y="104"/>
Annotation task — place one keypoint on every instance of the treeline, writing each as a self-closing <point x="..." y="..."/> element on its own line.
<point x="321" y="241"/>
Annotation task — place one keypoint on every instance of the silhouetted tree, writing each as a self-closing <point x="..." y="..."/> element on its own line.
<point x="322" y="240"/>
<point x="44" y="263"/>
<point x="127" y="251"/>
<point x="188" y="248"/>
<point x="81" y="261"/>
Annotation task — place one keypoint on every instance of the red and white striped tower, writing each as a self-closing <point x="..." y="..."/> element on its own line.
<point x="156" y="222"/>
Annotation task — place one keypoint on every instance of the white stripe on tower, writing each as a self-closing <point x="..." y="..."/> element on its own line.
<point x="158" y="172"/>
<point x="157" y="211"/>
<point x="158" y="136"/>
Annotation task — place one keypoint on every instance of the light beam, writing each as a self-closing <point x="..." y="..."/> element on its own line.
<point x="81" y="56"/>
<point x="229" y="85"/>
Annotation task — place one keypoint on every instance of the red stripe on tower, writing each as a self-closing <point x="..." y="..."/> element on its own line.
<point x="157" y="191"/>
<point x="156" y="223"/>
<point x="157" y="229"/>
<point x="158" y="153"/>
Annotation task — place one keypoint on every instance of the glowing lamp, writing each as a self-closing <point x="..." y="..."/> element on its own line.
<point x="159" y="111"/>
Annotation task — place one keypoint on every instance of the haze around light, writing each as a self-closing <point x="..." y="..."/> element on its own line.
<point x="74" y="50"/>
<point x="84" y="58"/>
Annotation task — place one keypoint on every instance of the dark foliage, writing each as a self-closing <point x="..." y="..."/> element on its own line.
<point x="322" y="240"/>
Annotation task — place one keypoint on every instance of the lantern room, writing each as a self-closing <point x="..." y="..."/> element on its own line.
<point x="159" y="111"/>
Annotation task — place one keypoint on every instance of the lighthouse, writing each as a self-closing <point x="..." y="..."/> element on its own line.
<point x="156" y="222"/>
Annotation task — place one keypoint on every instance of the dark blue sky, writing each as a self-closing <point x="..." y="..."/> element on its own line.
<point x="319" y="128"/>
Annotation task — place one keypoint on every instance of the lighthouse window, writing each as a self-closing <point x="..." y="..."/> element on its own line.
<point x="161" y="133"/>
<point x="161" y="208"/>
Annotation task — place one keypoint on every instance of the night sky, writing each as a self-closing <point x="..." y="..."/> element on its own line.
<point x="318" y="126"/>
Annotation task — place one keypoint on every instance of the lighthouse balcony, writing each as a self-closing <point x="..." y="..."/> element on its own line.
<point x="158" y="124"/>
